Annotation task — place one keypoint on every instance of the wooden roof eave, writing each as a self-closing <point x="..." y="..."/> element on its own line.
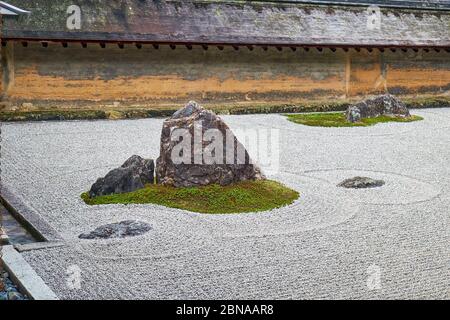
<point x="7" y="9"/>
<point x="249" y="45"/>
<point x="243" y="24"/>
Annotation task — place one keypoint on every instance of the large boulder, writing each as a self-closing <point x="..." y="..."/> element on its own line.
<point x="377" y="106"/>
<point x="195" y="169"/>
<point x="134" y="174"/>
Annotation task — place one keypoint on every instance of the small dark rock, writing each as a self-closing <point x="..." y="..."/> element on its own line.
<point x="122" y="229"/>
<point x="375" y="107"/>
<point x="133" y="175"/>
<point x="361" y="183"/>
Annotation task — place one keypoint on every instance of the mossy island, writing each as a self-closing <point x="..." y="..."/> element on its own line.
<point x="225" y="179"/>
<point x="338" y="119"/>
<point x="242" y="197"/>
<point x="374" y="110"/>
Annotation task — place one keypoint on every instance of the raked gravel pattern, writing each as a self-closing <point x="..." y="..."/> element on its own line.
<point x="324" y="246"/>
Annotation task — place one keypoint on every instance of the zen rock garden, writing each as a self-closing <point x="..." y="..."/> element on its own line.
<point x="186" y="167"/>
<point x="188" y="171"/>
<point x="315" y="164"/>
<point x="155" y="223"/>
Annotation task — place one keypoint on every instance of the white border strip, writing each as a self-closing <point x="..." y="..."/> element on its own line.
<point x="25" y="277"/>
<point x="12" y="9"/>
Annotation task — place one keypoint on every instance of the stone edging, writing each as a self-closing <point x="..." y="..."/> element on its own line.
<point x="26" y="216"/>
<point x="23" y="275"/>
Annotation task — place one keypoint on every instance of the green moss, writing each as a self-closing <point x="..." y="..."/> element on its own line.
<point x="337" y="119"/>
<point x="54" y="111"/>
<point x="11" y="116"/>
<point x="51" y="115"/>
<point x="285" y="108"/>
<point x="427" y="102"/>
<point x="247" y="196"/>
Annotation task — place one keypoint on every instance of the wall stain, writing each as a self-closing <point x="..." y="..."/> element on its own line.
<point x="165" y="75"/>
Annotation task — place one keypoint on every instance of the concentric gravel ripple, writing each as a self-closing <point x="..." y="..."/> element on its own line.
<point x="388" y="129"/>
<point x="398" y="190"/>
<point x="316" y="208"/>
<point x="320" y="247"/>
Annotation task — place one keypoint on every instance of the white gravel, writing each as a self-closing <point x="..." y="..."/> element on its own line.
<point x="319" y="248"/>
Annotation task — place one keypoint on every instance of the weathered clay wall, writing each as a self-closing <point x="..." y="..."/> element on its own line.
<point x="228" y="22"/>
<point x="152" y="76"/>
<point x="401" y="73"/>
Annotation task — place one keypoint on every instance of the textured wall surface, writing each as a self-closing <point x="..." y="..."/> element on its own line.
<point x="228" y="22"/>
<point x="429" y="4"/>
<point x="157" y="76"/>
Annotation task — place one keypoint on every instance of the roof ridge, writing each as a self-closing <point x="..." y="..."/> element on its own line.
<point x="10" y="10"/>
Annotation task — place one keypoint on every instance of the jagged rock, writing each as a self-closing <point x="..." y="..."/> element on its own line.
<point x="122" y="229"/>
<point x="361" y="183"/>
<point x="377" y="106"/>
<point x="134" y="174"/>
<point x="192" y="171"/>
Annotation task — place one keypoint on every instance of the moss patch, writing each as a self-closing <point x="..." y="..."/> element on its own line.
<point x="11" y="116"/>
<point x="247" y="196"/>
<point x="51" y="115"/>
<point x="337" y="119"/>
<point x="88" y="110"/>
